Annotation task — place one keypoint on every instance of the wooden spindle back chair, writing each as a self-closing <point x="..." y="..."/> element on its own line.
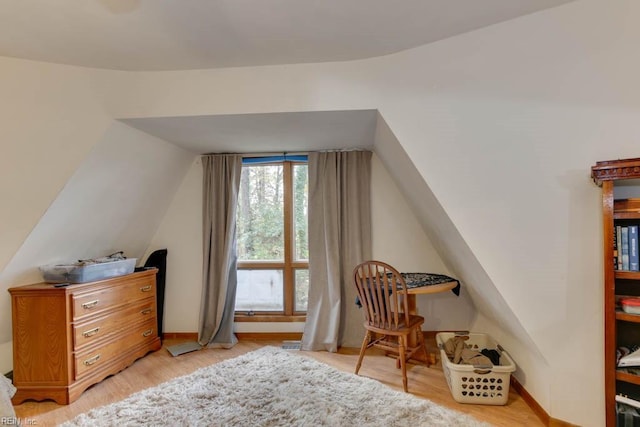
<point x="382" y="294"/>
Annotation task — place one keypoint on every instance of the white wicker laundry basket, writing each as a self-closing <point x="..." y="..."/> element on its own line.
<point x="485" y="385"/>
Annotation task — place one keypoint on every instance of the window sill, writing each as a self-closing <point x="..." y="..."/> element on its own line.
<point x="269" y="318"/>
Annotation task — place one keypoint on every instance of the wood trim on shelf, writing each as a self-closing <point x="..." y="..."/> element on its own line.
<point x="629" y="378"/>
<point x="631" y="205"/>
<point x="627" y="317"/>
<point x="627" y="275"/>
<point x="615" y="169"/>
<point x="626" y="215"/>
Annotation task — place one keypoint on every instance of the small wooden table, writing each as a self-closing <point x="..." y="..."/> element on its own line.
<point x="414" y="288"/>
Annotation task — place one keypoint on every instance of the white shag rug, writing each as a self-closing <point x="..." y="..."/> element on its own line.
<point x="272" y="387"/>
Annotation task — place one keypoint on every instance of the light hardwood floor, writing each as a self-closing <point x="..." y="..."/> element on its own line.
<point x="160" y="366"/>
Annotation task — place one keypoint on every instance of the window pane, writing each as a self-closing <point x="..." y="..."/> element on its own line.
<point x="260" y="290"/>
<point x="302" y="289"/>
<point x="300" y="209"/>
<point x="260" y="218"/>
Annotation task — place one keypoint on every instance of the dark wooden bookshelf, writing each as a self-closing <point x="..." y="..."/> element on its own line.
<point x="619" y="327"/>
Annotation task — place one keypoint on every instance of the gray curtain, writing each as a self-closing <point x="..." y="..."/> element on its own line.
<point x="221" y="184"/>
<point x="339" y="239"/>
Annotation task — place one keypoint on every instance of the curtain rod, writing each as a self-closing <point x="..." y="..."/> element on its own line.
<point x="276" y="153"/>
<point x="287" y="153"/>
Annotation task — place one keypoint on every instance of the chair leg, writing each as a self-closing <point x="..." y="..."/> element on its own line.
<point x="422" y="344"/>
<point x="403" y="363"/>
<point x="365" y="343"/>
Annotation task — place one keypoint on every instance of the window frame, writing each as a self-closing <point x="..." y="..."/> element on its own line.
<point x="288" y="265"/>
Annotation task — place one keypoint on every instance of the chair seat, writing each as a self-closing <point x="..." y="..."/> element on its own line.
<point x="402" y="329"/>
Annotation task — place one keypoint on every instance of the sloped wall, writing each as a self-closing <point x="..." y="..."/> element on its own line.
<point x="114" y="201"/>
<point x="463" y="265"/>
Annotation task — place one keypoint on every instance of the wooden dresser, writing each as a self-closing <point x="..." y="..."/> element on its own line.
<point x="66" y="339"/>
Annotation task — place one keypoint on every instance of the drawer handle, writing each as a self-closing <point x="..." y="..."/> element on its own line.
<point x="145" y="288"/>
<point x="147" y="333"/>
<point x="90" y="304"/>
<point x="147" y="311"/>
<point x="91" y="332"/>
<point x="90" y="361"/>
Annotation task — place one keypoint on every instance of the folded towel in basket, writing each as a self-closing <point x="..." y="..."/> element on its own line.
<point x="460" y="353"/>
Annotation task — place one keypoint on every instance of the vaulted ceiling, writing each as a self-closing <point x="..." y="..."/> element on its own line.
<point x="197" y="34"/>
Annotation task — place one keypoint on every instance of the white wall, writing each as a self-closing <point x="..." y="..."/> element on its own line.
<point x="181" y="233"/>
<point x="503" y="125"/>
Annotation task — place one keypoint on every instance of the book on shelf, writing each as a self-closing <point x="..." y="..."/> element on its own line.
<point x="628" y="357"/>
<point x="615" y="249"/>
<point x="619" y="246"/>
<point x="624" y="248"/>
<point x="633" y="248"/>
<point x="627" y="400"/>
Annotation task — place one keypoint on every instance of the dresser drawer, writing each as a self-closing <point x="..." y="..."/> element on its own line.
<point x="87" y="333"/>
<point x="88" y="361"/>
<point x="108" y="298"/>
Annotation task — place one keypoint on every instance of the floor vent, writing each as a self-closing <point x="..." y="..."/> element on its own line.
<point x="291" y="345"/>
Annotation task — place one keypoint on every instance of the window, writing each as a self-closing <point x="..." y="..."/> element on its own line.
<point x="272" y="241"/>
